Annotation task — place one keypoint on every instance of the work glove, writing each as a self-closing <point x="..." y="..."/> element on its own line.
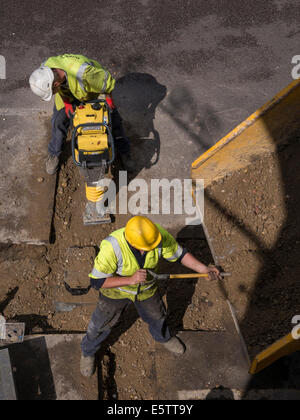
<point x="68" y="108"/>
<point x="110" y="102"/>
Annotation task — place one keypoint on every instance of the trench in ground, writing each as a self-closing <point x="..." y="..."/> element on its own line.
<point x="32" y="279"/>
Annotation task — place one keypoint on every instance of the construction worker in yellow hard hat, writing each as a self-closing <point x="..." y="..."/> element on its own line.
<point x="74" y="78"/>
<point x="120" y="274"/>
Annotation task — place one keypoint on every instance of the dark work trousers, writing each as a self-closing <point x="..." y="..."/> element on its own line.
<point x="108" y="312"/>
<point x="61" y="123"/>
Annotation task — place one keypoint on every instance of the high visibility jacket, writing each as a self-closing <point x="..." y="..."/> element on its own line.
<point x="86" y="78"/>
<point x="116" y="258"/>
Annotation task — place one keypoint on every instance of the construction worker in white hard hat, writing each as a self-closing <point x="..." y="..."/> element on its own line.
<point x="73" y="78"/>
<point x="120" y="274"/>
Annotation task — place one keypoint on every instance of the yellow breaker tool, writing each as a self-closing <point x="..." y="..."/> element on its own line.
<point x="93" y="152"/>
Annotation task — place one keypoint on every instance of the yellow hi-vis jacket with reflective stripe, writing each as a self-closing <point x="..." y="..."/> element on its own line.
<point x="86" y="78"/>
<point x="116" y="258"/>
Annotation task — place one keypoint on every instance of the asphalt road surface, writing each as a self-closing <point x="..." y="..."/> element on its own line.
<point x="187" y="71"/>
<point x="218" y="60"/>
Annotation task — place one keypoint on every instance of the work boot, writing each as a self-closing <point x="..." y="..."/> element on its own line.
<point x="87" y="366"/>
<point x="175" y="346"/>
<point x="52" y="164"/>
<point x="127" y="163"/>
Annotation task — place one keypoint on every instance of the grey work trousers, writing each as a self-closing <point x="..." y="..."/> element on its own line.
<point x="108" y="312"/>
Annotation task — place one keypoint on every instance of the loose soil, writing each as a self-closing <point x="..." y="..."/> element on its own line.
<point x="252" y="217"/>
<point x="32" y="281"/>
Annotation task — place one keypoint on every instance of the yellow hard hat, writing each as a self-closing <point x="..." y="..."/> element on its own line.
<point x="142" y="234"/>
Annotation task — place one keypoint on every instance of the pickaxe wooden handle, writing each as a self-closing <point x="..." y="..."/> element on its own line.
<point x="181" y="276"/>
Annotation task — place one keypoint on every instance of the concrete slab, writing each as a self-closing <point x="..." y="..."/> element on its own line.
<point x="47" y="368"/>
<point x="7" y="386"/>
<point x="215" y="367"/>
<point x="163" y="145"/>
<point x="26" y="191"/>
<point x="212" y="360"/>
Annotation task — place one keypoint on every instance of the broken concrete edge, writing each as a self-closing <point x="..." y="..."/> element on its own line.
<point x="66" y="337"/>
<point x="216" y="262"/>
<point x="27" y="203"/>
<point x="29" y="242"/>
<point x="50" y="335"/>
<point x="231" y="307"/>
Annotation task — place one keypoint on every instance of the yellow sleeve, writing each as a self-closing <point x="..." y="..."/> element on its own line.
<point x="105" y="263"/>
<point x="98" y="80"/>
<point x="171" y="250"/>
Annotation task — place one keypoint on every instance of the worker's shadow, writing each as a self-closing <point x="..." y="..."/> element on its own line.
<point x="105" y="358"/>
<point x="178" y="293"/>
<point x="137" y="96"/>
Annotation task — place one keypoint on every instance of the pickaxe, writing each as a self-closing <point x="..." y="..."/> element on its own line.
<point x="181" y="276"/>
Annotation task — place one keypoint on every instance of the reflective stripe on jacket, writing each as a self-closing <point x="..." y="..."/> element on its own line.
<point x="86" y="78"/>
<point x="116" y="258"/>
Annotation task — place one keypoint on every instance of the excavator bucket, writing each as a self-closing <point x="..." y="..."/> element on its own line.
<point x="287" y="345"/>
<point x="260" y="134"/>
<point x="251" y="220"/>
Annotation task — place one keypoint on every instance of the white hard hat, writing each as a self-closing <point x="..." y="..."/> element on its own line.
<point x="41" y="82"/>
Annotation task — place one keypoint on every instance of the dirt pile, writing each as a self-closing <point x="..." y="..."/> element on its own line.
<point x="253" y="217"/>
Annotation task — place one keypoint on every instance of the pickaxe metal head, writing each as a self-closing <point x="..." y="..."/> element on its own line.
<point x="158" y="276"/>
